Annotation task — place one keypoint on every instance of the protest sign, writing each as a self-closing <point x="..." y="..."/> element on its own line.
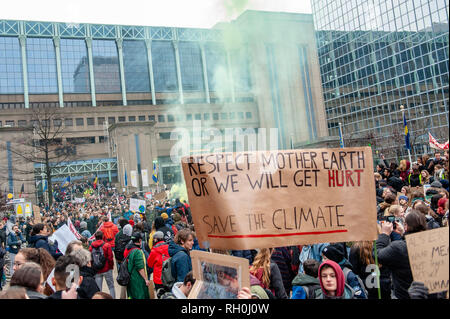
<point x="428" y="257"/>
<point x="160" y="196"/>
<point x="28" y="211"/>
<point x="266" y="199"/>
<point x="64" y="236"/>
<point x="135" y="205"/>
<point x="218" y="276"/>
<point x="37" y="214"/>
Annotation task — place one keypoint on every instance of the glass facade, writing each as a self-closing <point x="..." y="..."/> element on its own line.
<point x="11" y="80"/>
<point x="240" y="69"/>
<point x="135" y="63"/>
<point x="191" y="66"/>
<point x="216" y="64"/>
<point x="377" y="55"/>
<point x="106" y="66"/>
<point x="74" y="66"/>
<point x="164" y="66"/>
<point x="41" y="63"/>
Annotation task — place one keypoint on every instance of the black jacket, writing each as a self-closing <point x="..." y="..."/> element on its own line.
<point x="276" y="282"/>
<point x="88" y="286"/>
<point x="121" y="242"/>
<point x="394" y="255"/>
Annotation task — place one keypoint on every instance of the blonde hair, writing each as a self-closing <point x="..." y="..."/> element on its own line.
<point x="390" y="211"/>
<point x="262" y="260"/>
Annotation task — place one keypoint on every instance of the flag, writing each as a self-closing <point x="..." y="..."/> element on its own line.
<point x="109" y="216"/>
<point x="73" y="229"/>
<point x="155" y="174"/>
<point x="434" y="143"/>
<point x="126" y="179"/>
<point x="341" y="138"/>
<point x="66" y="182"/>
<point x="95" y="182"/>
<point x="45" y="185"/>
<point x="22" y="190"/>
<point x="93" y="235"/>
<point x="407" y="144"/>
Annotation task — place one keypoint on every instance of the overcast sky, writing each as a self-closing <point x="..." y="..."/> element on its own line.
<point x="178" y="13"/>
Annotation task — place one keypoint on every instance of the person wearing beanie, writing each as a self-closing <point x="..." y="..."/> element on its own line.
<point x="335" y="252"/>
<point x="158" y="254"/>
<point x="164" y="216"/>
<point x="161" y="226"/>
<point x="84" y="231"/>
<point x="332" y="282"/>
<point x="121" y="241"/>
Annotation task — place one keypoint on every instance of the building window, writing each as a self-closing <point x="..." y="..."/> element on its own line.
<point x="21" y="123"/>
<point x="68" y="122"/>
<point x="161" y="118"/>
<point x="206" y="116"/>
<point x="188" y="117"/>
<point x="81" y="140"/>
<point x="57" y="122"/>
<point x="106" y="66"/>
<point x="179" y="117"/>
<point x="100" y="120"/>
<point x="102" y="139"/>
<point x="215" y="116"/>
<point x="79" y="121"/>
<point x="164" y="135"/>
<point x="90" y="121"/>
<point x="241" y="115"/>
<point x="191" y="66"/>
<point x="141" y="118"/>
<point x="224" y="116"/>
<point x="232" y="115"/>
<point x="215" y="64"/>
<point x="74" y="66"/>
<point x="248" y="115"/>
<point x="111" y="120"/>
<point x="164" y="66"/>
<point x="121" y="118"/>
<point x="41" y="66"/>
<point x="170" y="118"/>
<point x="151" y="117"/>
<point x="198" y="116"/>
<point x="131" y="118"/>
<point x="11" y="80"/>
<point x="135" y="64"/>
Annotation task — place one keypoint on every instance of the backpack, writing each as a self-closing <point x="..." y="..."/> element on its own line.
<point x="123" y="275"/>
<point x="312" y="291"/>
<point x="167" y="277"/>
<point x="362" y="294"/>
<point x="98" y="258"/>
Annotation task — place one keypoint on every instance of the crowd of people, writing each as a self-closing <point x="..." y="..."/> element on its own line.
<point x="152" y="249"/>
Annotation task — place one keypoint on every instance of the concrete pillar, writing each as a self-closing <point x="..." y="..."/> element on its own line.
<point x="23" y="45"/>
<point x="205" y="72"/>
<point x="91" y="70"/>
<point x="148" y="43"/>
<point x="122" y="71"/>
<point x="177" y="61"/>
<point x="56" y="42"/>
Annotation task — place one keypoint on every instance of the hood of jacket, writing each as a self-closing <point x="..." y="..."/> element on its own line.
<point x="304" y="280"/>
<point x="35" y="238"/>
<point x="97" y="243"/>
<point x="86" y="271"/>
<point x="174" y="248"/>
<point x="108" y="225"/>
<point x="340" y="278"/>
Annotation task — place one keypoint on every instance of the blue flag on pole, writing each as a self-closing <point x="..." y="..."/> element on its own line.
<point x="407" y="144"/>
<point x="126" y="179"/>
<point x="155" y="174"/>
<point x="65" y="182"/>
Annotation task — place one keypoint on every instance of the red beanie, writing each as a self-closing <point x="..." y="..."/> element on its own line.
<point x="340" y="278"/>
<point x="441" y="206"/>
<point x="131" y="222"/>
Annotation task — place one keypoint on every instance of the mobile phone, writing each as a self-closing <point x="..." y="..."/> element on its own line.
<point x="390" y="219"/>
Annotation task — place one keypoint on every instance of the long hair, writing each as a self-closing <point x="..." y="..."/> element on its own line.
<point x="41" y="257"/>
<point x="365" y="249"/>
<point x="262" y="260"/>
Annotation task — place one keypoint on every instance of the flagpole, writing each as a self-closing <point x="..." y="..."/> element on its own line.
<point x="341" y="136"/>
<point x="409" y="146"/>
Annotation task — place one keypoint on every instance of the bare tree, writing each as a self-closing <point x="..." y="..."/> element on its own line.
<point x="41" y="142"/>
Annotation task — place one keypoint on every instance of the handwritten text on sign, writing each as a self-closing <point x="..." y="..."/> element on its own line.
<point x="268" y="199"/>
<point x="428" y="256"/>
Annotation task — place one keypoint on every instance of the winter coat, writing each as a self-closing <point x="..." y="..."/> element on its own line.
<point x="311" y="252"/>
<point x="303" y="282"/>
<point x="14" y="242"/>
<point x="35" y="295"/>
<point x="3" y="236"/>
<point x="39" y="241"/>
<point x="159" y="253"/>
<point x="348" y="294"/>
<point x="394" y="255"/>
<point x="109" y="232"/>
<point x="88" y="286"/>
<point x="181" y="261"/>
<point x="2" y="257"/>
<point x="107" y="252"/>
<point x="282" y="258"/>
<point x="343" y="290"/>
<point x="136" y="288"/>
<point x="161" y="226"/>
<point x="120" y="244"/>
<point x="276" y="282"/>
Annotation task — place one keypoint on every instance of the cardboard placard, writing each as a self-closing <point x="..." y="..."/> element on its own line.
<point x="266" y="199"/>
<point x="160" y="196"/>
<point x="218" y="276"/>
<point x="37" y="214"/>
<point x="428" y="257"/>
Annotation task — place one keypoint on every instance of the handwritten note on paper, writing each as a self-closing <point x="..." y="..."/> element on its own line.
<point x="428" y="256"/>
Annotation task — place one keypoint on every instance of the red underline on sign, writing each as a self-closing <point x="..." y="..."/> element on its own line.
<point x="280" y="235"/>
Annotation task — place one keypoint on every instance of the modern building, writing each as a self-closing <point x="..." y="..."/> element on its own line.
<point x="260" y="71"/>
<point x="377" y="55"/>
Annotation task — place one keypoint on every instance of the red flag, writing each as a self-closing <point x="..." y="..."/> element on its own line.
<point x="434" y="143"/>
<point x="73" y="229"/>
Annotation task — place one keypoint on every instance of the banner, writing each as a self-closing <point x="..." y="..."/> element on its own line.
<point x="266" y="199"/>
<point x="28" y="210"/>
<point x="428" y="257"/>
<point x="134" y="181"/>
<point x="144" y="178"/>
<point x="73" y="229"/>
<point x="37" y="214"/>
<point x="137" y="205"/>
<point x="64" y="236"/>
<point x="435" y="144"/>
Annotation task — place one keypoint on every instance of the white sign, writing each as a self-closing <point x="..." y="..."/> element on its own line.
<point x="28" y="210"/>
<point x="64" y="236"/>
<point x="78" y="200"/>
<point x="135" y="204"/>
<point x="134" y="181"/>
<point x="16" y="201"/>
<point x="144" y="178"/>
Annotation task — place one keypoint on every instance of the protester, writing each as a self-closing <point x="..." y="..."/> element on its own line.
<point x="181" y="290"/>
<point x="15" y="240"/>
<point x="89" y="285"/>
<point x="282" y="257"/>
<point x="103" y="262"/>
<point x="160" y="225"/>
<point x="14" y="293"/>
<point x="60" y="278"/>
<point x="30" y="277"/>
<point x="306" y="285"/>
<point x="109" y="231"/>
<point x="158" y="254"/>
<point x="332" y="282"/>
<point x="101" y="295"/>
<point x="39" y="239"/>
<point x="179" y="252"/>
<point x="139" y="283"/>
<point x="123" y="238"/>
